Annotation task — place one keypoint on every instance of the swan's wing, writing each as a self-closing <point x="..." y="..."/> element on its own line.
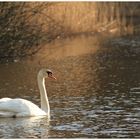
<point x="7" y="107"/>
<point x="11" y="105"/>
<point x="21" y="107"/>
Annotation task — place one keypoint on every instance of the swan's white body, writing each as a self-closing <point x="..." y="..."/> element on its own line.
<point x="24" y="108"/>
<point x="19" y="108"/>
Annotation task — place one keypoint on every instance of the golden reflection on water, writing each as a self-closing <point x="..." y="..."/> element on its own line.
<point x="90" y="90"/>
<point x="62" y="57"/>
<point x="60" y="49"/>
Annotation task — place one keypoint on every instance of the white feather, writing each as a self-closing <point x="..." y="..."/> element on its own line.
<point x="23" y="108"/>
<point x="19" y="108"/>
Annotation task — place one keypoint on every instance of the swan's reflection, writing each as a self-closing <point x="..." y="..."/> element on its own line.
<point x="34" y="127"/>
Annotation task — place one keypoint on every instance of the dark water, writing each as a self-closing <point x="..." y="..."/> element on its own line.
<point x="96" y="95"/>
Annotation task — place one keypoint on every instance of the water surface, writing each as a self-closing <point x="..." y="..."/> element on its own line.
<point x="96" y="95"/>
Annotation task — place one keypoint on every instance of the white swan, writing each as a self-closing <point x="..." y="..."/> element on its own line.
<point x="23" y="108"/>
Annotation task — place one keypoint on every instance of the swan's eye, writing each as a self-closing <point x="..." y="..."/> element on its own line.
<point x="49" y="73"/>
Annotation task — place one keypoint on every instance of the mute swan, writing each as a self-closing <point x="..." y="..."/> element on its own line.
<point x="23" y="108"/>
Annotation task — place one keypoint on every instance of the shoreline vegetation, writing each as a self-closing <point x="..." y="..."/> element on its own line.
<point x="26" y="27"/>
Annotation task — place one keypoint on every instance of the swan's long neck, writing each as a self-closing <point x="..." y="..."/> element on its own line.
<point x="44" y="99"/>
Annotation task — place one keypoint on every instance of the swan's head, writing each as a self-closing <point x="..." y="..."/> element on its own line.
<point x="46" y="73"/>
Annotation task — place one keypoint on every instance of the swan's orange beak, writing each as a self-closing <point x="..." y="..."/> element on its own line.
<point x="52" y="77"/>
